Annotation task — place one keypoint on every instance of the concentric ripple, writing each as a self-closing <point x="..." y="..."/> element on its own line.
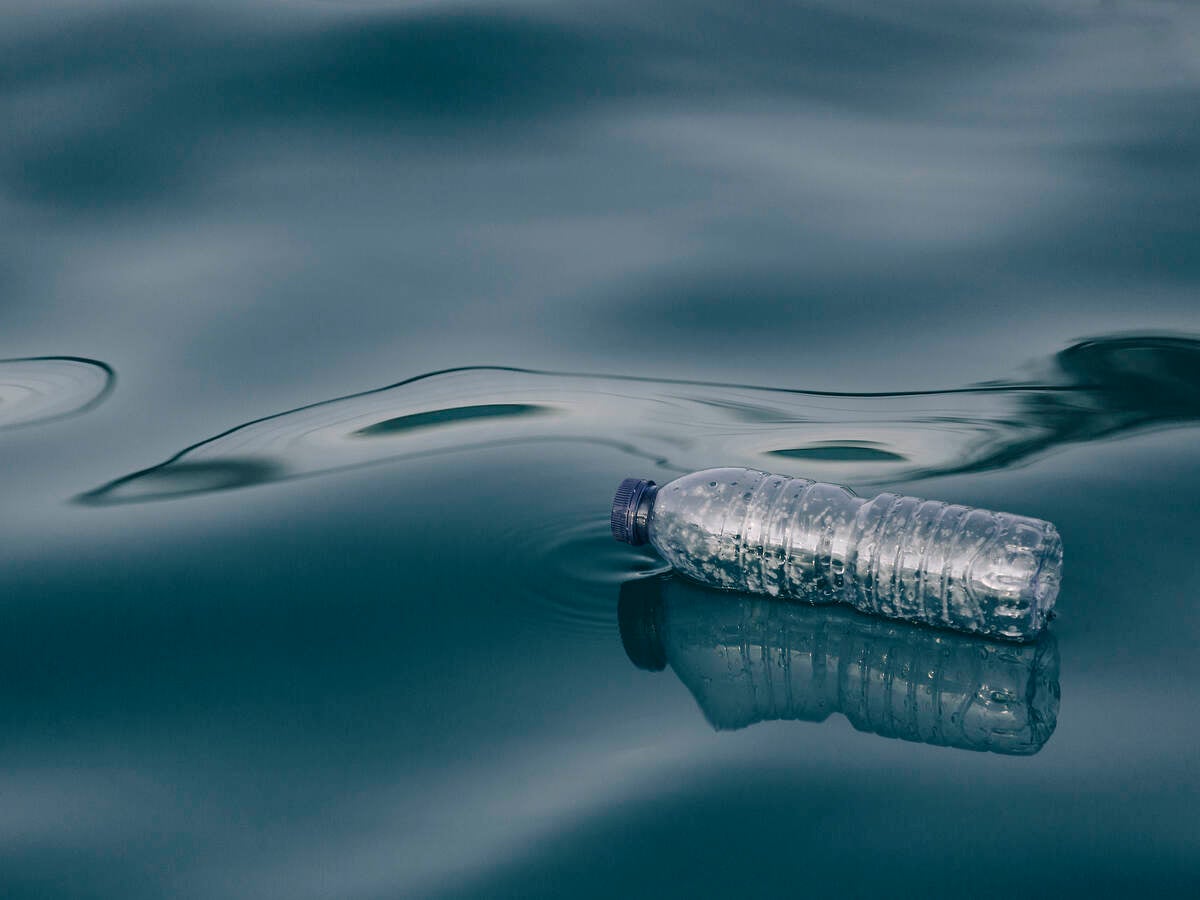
<point x="42" y="389"/>
<point x="575" y="571"/>
<point x="1094" y="390"/>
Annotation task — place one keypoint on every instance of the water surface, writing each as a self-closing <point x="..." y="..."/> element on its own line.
<point x="330" y="328"/>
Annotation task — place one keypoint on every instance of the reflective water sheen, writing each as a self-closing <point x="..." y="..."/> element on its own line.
<point x="329" y="329"/>
<point x="751" y="659"/>
<point x="1099" y="389"/>
<point x="34" y="391"/>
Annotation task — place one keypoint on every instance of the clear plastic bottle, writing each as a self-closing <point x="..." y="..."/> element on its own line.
<point x="903" y="557"/>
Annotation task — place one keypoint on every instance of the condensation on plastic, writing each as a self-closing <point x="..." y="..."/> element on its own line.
<point x="906" y="558"/>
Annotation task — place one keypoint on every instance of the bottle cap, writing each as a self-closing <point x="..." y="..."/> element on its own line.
<point x="627" y="524"/>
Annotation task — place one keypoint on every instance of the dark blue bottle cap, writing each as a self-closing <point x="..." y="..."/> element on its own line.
<point x="631" y="510"/>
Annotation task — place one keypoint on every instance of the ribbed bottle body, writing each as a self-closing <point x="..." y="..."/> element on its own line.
<point x="941" y="564"/>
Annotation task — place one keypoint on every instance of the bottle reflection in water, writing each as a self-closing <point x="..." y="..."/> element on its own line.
<point x="750" y="659"/>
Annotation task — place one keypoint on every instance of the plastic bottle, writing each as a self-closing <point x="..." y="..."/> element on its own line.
<point x="903" y="557"/>
<point x="750" y="659"/>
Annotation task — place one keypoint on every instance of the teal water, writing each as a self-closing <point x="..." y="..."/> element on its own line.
<point x="330" y="328"/>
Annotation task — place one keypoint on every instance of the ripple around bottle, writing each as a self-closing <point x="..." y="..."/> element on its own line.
<point x="37" y="390"/>
<point x="750" y="659"/>
<point x="573" y="569"/>
<point x="1091" y="391"/>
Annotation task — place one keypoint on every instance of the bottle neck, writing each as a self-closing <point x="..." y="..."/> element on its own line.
<point x="641" y="514"/>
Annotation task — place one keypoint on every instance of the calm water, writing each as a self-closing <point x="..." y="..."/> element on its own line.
<point x="330" y="327"/>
